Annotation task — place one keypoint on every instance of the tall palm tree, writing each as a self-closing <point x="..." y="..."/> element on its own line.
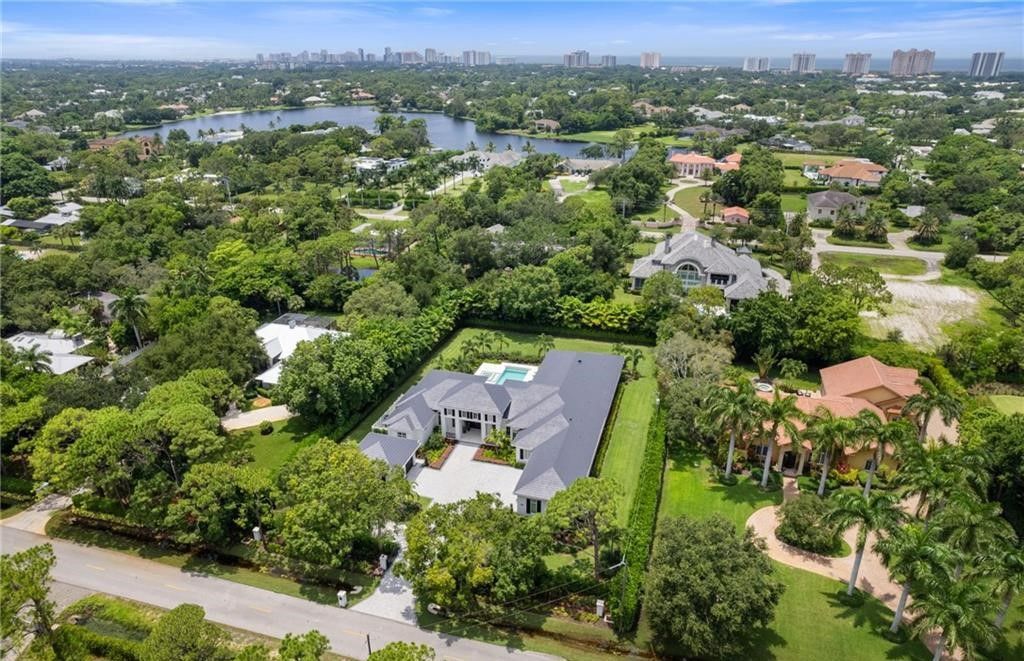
<point x="131" y="309"/>
<point x="960" y="611"/>
<point x="831" y="435"/>
<point x="928" y="228"/>
<point x="913" y="554"/>
<point x="545" y="343"/>
<point x="971" y="526"/>
<point x="33" y="359"/>
<point x="873" y="432"/>
<point x="875" y="513"/>
<point x="1005" y="564"/>
<point x="736" y="409"/>
<point x="930" y="473"/>
<point x="922" y="405"/>
<point x="781" y="414"/>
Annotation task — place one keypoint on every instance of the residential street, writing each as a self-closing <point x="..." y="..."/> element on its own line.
<point x="240" y="606"/>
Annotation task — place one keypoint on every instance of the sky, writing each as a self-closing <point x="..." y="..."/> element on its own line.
<point x="183" y="29"/>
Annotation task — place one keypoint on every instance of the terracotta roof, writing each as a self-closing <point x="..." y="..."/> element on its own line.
<point x="734" y="157"/>
<point x="843" y="407"/>
<point x="727" y="167"/>
<point x="861" y="374"/>
<point x="735" y="211"/>
<point x="691" y="158"/>
<point x="864" y="171"/>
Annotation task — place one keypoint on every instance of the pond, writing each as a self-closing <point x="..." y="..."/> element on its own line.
<point x="444" y="131"/>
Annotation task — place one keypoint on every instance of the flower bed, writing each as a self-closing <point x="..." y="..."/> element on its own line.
<point x="435" y="457"/>
<point x="489" y="454"/>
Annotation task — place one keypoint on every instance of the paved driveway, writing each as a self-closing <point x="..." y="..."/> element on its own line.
<point x="462" y="478"/>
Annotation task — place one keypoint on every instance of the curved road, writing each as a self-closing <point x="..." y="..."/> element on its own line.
<point x="240" y="606"/>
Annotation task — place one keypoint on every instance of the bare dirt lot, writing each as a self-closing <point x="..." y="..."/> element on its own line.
<point x="919" y="310"/>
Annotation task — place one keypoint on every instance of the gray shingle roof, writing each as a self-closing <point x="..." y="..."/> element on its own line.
<point x="831" y="199"/>
<point x="395" y="451"/>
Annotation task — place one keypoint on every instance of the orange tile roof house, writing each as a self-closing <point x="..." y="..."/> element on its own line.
<point x="868" y="378"/>
<point x="735" y="215"/>
<point x="691" y="165"/>
<point x="854" y="172"/>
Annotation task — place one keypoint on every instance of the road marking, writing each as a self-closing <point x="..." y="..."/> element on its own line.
<point x="96" y="568"/>
<point x="262" y="610"/>
<point x="175" y="587"/>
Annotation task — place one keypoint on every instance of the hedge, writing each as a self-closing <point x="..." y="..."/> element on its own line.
<point x="69" y="639"/>
<point x="639" y="533"/>
<point x="560" y="331"/>
<point x="11" y="497"/>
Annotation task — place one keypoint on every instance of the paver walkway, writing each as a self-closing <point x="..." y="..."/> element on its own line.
<point x="462" y="478"/>
<point x="873" y="577"/>
<point x="246" y="419"/>
<point x="393" y="598"/>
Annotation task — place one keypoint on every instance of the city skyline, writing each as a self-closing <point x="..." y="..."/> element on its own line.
<point x="152" y="29"/>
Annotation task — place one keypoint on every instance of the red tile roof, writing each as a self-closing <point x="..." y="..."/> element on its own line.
<point x="734" y="157"/>
<point x="843" y="407"/>
<point x="691" y="159"/>
<point x="727" y="166"/>
<point x="857" y="376"/>
<point x="735" y="211"/>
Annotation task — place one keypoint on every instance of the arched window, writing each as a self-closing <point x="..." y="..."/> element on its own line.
<point x="690" y="276"/>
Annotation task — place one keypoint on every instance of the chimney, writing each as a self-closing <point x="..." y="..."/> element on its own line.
<point x="668" y="244"/>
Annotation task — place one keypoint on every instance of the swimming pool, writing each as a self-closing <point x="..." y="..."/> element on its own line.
<point x="510" y="373"/>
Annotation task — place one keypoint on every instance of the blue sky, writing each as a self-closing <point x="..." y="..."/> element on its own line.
<point x="193" y="30"/>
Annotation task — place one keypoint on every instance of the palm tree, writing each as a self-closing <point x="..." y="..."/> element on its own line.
<point x="735" y="409"/>
<point x="33" y="359"/>
<point x="1005" y="564"/>
<point x="921" y="406"/>
<point x="830" y="434"/>
<point x="545" y="343"/>
<point x="781" y="414"/>
<point x="846" y="224"/>
<point x="927" y="229"/>
<point x="490" y="147"/>
<point x="960" y="611"/>
<point x="875" y="513"/>
<point x="634" y="355"/>
<point x="872" y="430"/>
<point x="130" y="309"/>
<point x="971" y="526"/>
<point x="931" y="474"/>
<point x="764" y="359"/>
<point x="913" y="553"/>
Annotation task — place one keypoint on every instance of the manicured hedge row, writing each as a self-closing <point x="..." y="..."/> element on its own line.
<point x="560" y="331"/>
<point x="69" y="641"/>
<point x="11" y="497"/>
<point x="639" y="533"/>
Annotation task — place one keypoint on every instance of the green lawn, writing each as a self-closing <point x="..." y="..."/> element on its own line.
<point x="795" y="202"/>
<point x="689" y="199"/>
<point x="794" y="178"/>
<point x="796" y="159"/>
<point x="275" y="449"/>
<point x="691" y="490"/>
<point x="810" y="620"/>
<point x="572" y="185"/>
<point x="856" y="243"/>
<point x="1008" y="404"/>
<point x="881" y="263"/>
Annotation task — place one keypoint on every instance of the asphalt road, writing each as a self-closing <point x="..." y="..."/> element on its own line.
<point x="241" y="606"/>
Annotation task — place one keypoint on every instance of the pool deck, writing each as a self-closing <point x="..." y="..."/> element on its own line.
<point x="496" y="372"/>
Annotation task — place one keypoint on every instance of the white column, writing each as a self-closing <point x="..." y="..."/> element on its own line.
<point x="778" y="464"/>
<point x="458" y="427"/>
<point x="444" y="424"/>
<point x="800" y="465"/>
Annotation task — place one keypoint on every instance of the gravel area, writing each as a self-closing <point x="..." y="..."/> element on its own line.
<point x="919" y="310"/>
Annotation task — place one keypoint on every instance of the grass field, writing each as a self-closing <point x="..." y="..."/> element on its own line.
<point x="795" y="179"/>
<point x="1008" y="404"/>
<point x="856" y="243"/>
<point x="689" y="199"/>
<point x="796" y="159"/>
<point x="572" y="185"/>
<point x="795" y="202"/>
<point x="275" y="449"/>
<point x="810" y="620"/>
<point x="881" y="263"/>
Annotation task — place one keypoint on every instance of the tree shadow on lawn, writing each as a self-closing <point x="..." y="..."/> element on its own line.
<point x="870" y="614"/>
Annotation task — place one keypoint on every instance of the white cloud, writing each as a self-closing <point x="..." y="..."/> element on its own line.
<point x="31" y="42"/>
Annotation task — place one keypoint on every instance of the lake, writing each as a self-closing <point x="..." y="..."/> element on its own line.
<point x="444" y="131"/>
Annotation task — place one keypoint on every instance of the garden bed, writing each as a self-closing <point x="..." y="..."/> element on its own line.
<point x="488" y="454"/>
<point x="436" y="458"/>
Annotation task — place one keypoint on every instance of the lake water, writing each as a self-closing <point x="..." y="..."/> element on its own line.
<point x="444" y="131"/>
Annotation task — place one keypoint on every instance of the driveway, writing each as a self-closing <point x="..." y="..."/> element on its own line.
<point x="461" y="478"/>
<point x="393" y="598"/>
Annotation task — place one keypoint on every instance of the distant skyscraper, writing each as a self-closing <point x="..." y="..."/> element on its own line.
<point x="387" y="55"/>
<point x="650" y="60"/>
<point x="259" y="58"/>
<point x="757" y="64"/>
<point x="430" y="56"/>
<point x="857" y="63"/>
<point x="362" y="55"/>
<point x="986" y="65"/>
<point x="607" y="60"/>
<point x="371" y="57"/>
<point x="576" y="59"/>
<point x="476" y="58"/>
<point x="802" y="63"/>
<point x="911" y="62"/>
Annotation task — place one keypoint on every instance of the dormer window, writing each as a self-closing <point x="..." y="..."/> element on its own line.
<point x="690" y="276"/>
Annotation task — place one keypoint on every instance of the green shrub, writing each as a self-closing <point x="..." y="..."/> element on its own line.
<point x="847" y="478"/>
<point x="266" y="427"/>
<point x="800" y="525"/>
<point x="17" y="485"/>
<point x="774" y="479"/>
<point x="639" y="532"/>
<point x="72" y="640"/>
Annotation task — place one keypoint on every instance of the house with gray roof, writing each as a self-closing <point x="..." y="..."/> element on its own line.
<point x="826" y="204"/>
<point x="555" y="420"/>
<point x="699" y="260"/>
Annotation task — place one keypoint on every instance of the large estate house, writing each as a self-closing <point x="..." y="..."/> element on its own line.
<point x="699" y="260"/>
<point x="847" y="389"/>
<point x="555" y="419"/>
